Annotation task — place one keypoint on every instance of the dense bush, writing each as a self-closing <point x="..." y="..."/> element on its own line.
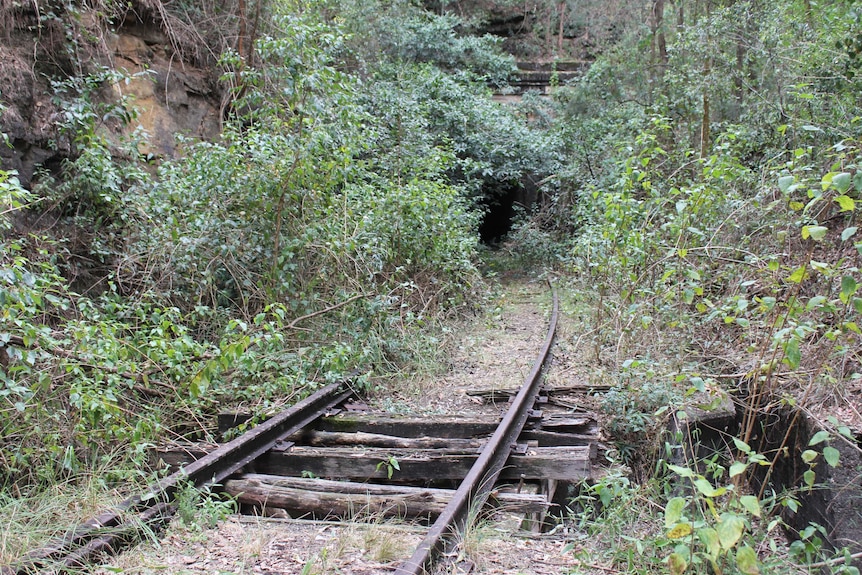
<point x="328" y="230"/>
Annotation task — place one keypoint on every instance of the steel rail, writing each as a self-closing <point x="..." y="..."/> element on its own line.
<point x="473" y="492"/>
<point x="109" y="531"/>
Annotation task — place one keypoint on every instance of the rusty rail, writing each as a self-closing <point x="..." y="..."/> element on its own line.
<point x="473" y="491"/>
<point x="115" y="528"/>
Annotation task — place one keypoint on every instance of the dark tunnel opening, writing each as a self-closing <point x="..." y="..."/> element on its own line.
<point x="499" y="215"/>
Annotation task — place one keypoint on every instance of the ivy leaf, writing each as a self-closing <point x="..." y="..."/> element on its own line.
<point x="709" y="537"/>
<point x="738" y="468"/>
<point x="746" y="560"/>
<point x="729" y="530"/>
<point x="819" y="437"/>
<point x="706" y="488"/>
<point x="677" y="564"/>
<point x="809" y="455"/>
<point x="842" y="181"/>
<point x="848" y="288"/>
<point x="751" y="504"/>
<point x="673" y="511"/>
<point x="846" y="202"/>
<point x="792" y="356"/>
<point x="831" y="455"/>
<point x="680" y="530"/>
<point x="784" y="183"/>
<point x="800" y="274"/>
<point x="816" y="233"/>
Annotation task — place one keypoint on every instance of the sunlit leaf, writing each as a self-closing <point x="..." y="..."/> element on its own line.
<point x="706" y="488"/>
<point x="808" y="477"/>
<point x="809" y="455"/>
<point x="797" y="276"/>
<point x="681" y="471"/>
<point x="680" y="530"/>
<point x="741" y="445"/>
<point x="846" y="203"/>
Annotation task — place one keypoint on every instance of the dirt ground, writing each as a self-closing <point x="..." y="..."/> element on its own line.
<point x="496" y="351"/>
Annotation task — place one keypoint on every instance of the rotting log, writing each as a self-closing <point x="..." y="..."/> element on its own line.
<point x="322" y="498"/>
<point x="179" y="455"/>
<point x="445" y="426"/>
<point x="441" y="426"/>
<point x="330" y="438"/>
<point x="562" y="463"/>
<point x="496" y="395"/>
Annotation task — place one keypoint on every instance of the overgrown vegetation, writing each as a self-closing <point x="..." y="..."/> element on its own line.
<point x="299" y="247"/>
<point x="711" y="202"/>
<point x="701" y="182"/>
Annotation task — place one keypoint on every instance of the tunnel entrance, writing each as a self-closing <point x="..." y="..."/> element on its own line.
<point x="500" y="205"/>
<point x="499" y="213"/>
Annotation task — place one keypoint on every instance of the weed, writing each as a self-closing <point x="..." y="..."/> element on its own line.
<point x="201" y="509"/>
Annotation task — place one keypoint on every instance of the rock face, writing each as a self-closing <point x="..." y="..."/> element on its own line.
<point x="28" y="117"/>
<point x="171" y="97"/>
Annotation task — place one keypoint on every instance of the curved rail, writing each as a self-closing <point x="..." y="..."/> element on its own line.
<point x="113" y="529"/>
<point x="473" y="491"/>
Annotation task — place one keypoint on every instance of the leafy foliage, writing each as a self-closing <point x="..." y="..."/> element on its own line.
<point x="326" y="232"/>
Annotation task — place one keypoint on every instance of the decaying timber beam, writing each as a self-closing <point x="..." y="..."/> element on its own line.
<point x="322" y="498"/>
<point x="563" y="463"/>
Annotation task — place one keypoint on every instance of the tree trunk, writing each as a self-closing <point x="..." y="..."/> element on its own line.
<point x="707" y="69"/>
<point x="243" y="27"/>
<point x="562" y="11"/>
<point x="658" y="47"/>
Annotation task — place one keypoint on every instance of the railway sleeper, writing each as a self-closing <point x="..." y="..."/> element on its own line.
<point x="325" y="499"/>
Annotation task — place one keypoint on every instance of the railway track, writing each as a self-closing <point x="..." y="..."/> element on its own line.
<point x="440" y="470"/>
